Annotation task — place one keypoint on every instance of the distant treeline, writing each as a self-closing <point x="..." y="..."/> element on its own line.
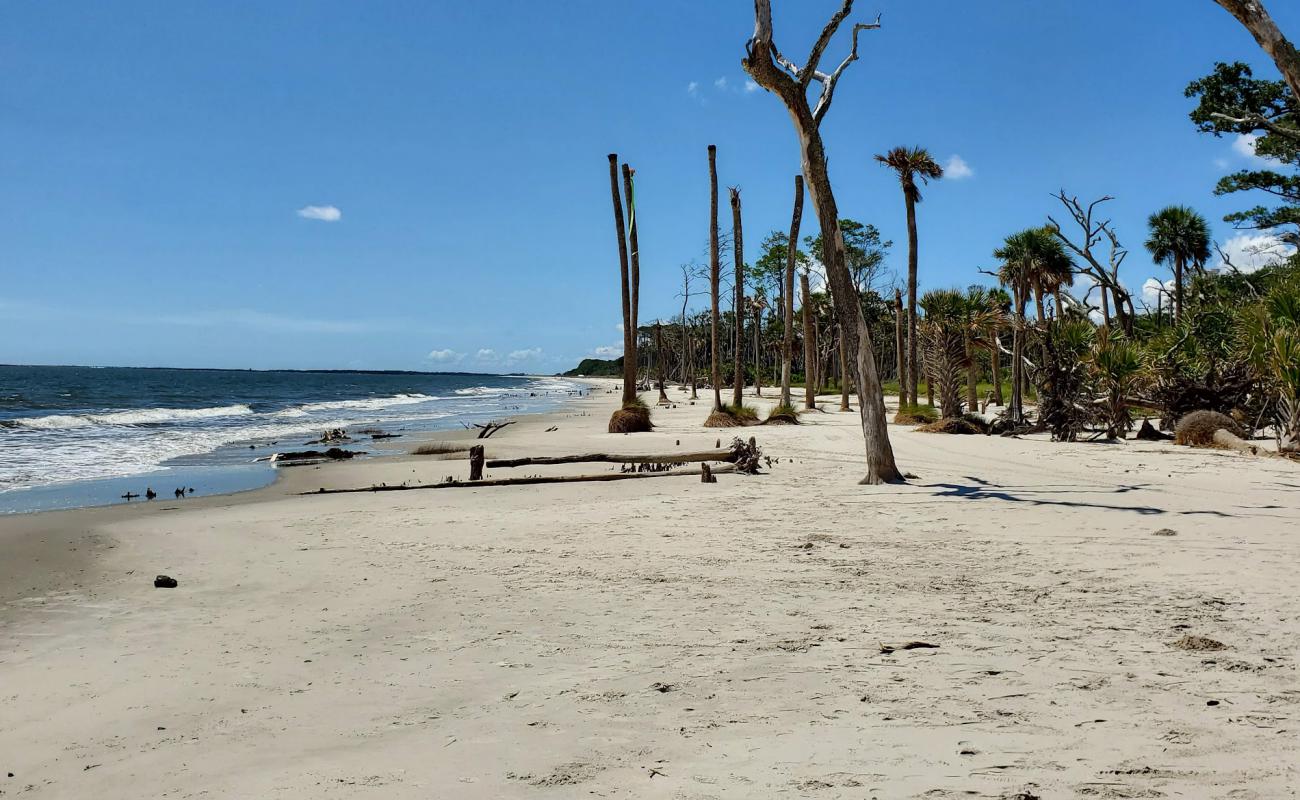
<point x="598" y="368"/>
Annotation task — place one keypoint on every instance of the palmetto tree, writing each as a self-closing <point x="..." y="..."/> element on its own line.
<point x="944" y="332"/>
<point x="911" y="163"/>
<point x="1024" y="256"/>
<point x="1180" y="237"/>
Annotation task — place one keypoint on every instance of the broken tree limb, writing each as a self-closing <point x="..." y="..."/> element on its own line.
<point x="531" y="480"/>
<point x="486" y="431"/>
<point x="1229" y="441"/>
<point x="614" y="458"/>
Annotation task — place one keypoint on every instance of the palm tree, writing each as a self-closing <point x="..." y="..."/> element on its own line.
<point x="1181" y="237"/>
<point x="947" y="351"/>
<point x="1022" y="255"/>
<point x="910" y="164"/>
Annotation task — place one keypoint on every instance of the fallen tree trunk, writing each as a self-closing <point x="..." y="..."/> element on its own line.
<point x="726" y="455"/>
<point x="1230" y="441"/>
<point x="535" y="479"/>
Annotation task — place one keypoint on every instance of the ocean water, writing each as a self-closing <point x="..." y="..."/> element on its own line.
<point x="76" y="436"/>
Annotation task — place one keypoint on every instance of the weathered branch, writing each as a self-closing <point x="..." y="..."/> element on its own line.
<point x="725" y="455"/>
<point x="528" y="481"/>
<point x="828" y="81"/>
<point x="815" y="56"/>
<point x="1255" y="18"/>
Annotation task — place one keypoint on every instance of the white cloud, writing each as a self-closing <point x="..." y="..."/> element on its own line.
<point x="619" y="327"/>
<point x="322" y="213"/>
<point x="524" y="355"/>
<point x="608" y="351"/>
<point x="693" y="88"/>
<point x="486" y="354"/>
<point x="1251" y="251"/>
<point x="1222" y="163"/>
<point x="751" y="87"/>
<point x="447" y="356"/>
<point x="957" y="169"/>
<point x="1244" y="146"/>
<point x="721" y="83"/>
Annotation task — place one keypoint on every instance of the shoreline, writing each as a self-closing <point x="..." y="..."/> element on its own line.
<point x="671" y="637"/>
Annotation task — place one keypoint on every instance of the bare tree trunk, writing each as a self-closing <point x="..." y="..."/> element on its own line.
<point x="994" y="358"/>
<point x="844" y="374"/>
<point x="787" y="302"/>
<point x="1017" y="361"/>
<point x="715" y="269"/>
<point x="738" y="384"/>
<point x="972" y="374"/>
<point x="899" y="355"/>
<point x="1178" y="289"/>
<point x="912" y="362"/>
<point x="1057" y="309"/>
<point x="809" y="348"/>
<point x="629" y="343"/>
<point x="634" y="274"/>
<point x="1105" y="306"/>
<point x="791" y="84"/>
<point x="659" y="363"/>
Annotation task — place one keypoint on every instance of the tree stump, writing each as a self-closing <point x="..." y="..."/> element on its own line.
<point x="706" y="474"/>
<point x="476" y="458"/>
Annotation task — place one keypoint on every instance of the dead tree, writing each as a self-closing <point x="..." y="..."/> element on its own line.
<point x="659" y="363"/>
<point x="787" y="302"/>
<point x="629" y="330"/>
<point x="738" y="384"/>
<point x="688" y="349"/>
<point x="1255" y="18"/>
<point x="715" y="275"/>
<point x="790" y="83"/>
<point x="634" y="273"/>
<point x="1092" y="232"/>
<point x="476" y="463"/>
<point x="809" y="347"/>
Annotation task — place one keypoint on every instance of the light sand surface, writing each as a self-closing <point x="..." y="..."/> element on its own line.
<point x="667" y="638"/>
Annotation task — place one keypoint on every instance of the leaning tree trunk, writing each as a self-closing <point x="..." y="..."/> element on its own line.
<point x="844" y="373"/>
<point x="787" y="302"/>
<point x="738" y="384"/>
<point x="809" y="347"/>
<point x="629" y="341"/>
<point x="715" y="269"/>
<point x="912" y="363"/>
<point x="899" y="355"/>
<point x="1253" y="15"/>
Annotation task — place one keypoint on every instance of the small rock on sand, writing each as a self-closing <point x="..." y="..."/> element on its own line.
<point x="1191" y="642"/>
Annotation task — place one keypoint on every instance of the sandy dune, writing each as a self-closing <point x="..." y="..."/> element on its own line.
<point x="667" y="638"/>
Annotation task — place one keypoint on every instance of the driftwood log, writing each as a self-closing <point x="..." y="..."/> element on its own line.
<point x="534" y="479"/>
<point x="744" y="454"/>
<point x="1230" y="441"/>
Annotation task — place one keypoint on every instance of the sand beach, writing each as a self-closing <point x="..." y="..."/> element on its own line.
<point x="668" y="638"/>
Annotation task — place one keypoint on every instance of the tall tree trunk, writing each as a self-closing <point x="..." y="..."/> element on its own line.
<point x="1178" y="289"/>
<point x="758" y="350"/>
<point x="1058" y="309"/>
<point x="899" y="355"/>
<point x="995" y="357"/>
<point x="659" y="363"/>
<point x="715" y="270"/>
<point x="787" y="302"/>
<point x="809" y="347"/>
<point x="629" y="343"/>
<point x="738" y="387"/>
<point x="634" y="258"/>
<point x="912" y="364"/>
<point x="1017" y="362"/>
<point x="1105" y="306"/>
<point x="1038" y="304"/>
<point x="972" y="374"/>
<point x="844" y="374"/>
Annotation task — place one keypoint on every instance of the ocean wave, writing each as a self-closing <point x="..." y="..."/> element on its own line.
<point x="141" y="416"/>
<point x="365" y="404"/>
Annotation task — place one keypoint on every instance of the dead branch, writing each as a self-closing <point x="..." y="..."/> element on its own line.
<point x="528" y="481"/>
<point x="486" y="431"/>
<point x="724" y="455"/>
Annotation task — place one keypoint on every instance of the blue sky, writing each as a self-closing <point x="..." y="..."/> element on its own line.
<point x="158" y="161"/>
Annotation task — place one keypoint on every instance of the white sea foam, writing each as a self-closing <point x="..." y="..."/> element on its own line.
<point x="142" y="416"/>
<point x="364" y="404"/>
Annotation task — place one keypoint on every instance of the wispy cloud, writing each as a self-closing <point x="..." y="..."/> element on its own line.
<point x="693" y="88"/>
<point x="721" y="83"/>
<point x="446" y="356"/>
<point x="322" y="213"/>
<point x="957" y="169"/>
<point x="608" y="351"/>
<point x="751" y="87"/>
<point x="529" y="354"/>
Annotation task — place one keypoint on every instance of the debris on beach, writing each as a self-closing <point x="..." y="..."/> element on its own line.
<point x="165" y="582"/>
<point x="889" y="648"/>
<point x="305" y="457"/>
<point x="1165" y="532"/>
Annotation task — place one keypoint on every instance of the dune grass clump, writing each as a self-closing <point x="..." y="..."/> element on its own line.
<point x="1197" y="428"/>
<point x="440" y="448"/>
<point x="915" y="415"/>
<point x="954" y="425"/>
<point x="732" y="416"/>
<point x="782" y="414"/>
<point x="633" y="417"/>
